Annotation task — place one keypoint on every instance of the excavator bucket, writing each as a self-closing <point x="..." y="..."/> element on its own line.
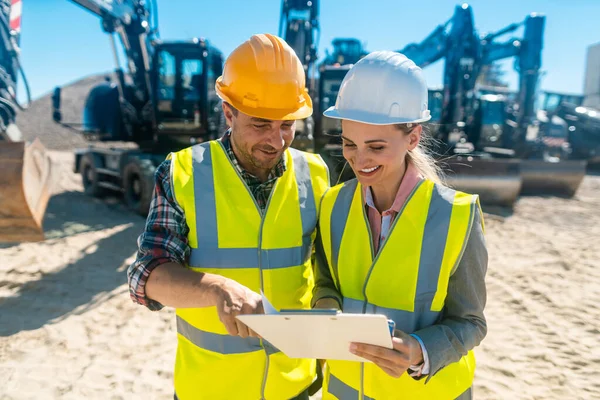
<point x="26" y="183"/>
<point x="560" y="178"/>
<point x="497" y="181"/>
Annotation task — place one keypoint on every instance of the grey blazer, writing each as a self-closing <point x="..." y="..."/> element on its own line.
<point x="462" y="325"/>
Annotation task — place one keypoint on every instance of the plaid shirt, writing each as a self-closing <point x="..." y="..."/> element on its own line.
<point x="165" y="236"/>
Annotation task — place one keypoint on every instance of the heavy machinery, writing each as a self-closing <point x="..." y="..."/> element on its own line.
<point x="166" y="102"/>
<point x="582" y="123"/>
<point x="346" y="52"/>
<point x="580" y="114"/>
<point x="26" y="173"/>
<point x="299" y="27"/>
<point x="495" y="177"/>
<point x="540" y="141"/>
<point x="515" y="165"/>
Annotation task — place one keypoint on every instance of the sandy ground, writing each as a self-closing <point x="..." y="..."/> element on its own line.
<point x="68" y="329"/>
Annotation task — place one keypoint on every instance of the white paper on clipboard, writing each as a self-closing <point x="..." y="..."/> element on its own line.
<point x="321" y="335"/>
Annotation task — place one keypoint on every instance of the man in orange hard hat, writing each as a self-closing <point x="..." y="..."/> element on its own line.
<point x="233" y="217"/>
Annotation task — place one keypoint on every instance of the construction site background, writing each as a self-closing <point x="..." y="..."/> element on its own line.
<point x="68" y="328"/>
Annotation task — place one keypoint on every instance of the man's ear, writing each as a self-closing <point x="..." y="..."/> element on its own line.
<point x="228" y="112"/>
<point x="414" y="137"/>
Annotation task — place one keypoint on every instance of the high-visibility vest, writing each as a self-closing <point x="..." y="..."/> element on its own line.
<point x="407" y="280"/>
<point x="270" y="251"/>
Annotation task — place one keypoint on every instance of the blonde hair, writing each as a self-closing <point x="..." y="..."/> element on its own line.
<point x="421" y="156"/>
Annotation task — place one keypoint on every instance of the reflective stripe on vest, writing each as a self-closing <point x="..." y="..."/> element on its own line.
<point x="229" y="235"/>
<point x="247" y="257"/>
<point x="241" y="258"/>
<point x="406" y="280"/>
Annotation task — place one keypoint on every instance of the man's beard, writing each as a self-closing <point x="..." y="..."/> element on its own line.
<point x="249" y="157"/>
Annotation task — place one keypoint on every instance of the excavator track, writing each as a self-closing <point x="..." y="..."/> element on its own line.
<point x="26" y="182"/>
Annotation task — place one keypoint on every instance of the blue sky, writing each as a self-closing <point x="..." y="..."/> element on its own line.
<point x="61" y="42"/>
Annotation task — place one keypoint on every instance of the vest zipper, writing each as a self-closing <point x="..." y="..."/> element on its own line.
<point x="262" y="221"/>
<point x="375" y="257"/>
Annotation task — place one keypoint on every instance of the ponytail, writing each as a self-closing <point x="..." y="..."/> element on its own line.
<point x="421" y="158"/>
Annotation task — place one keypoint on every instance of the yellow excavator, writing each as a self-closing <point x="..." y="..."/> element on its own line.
<point x="26" y="173"/>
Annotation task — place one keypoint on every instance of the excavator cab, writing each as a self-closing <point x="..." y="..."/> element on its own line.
<point x="328" y="142"/>
<point x="583" y="123"/>
<point x="492" y="113"/>
<point x="183" y="79"/>
<point x="346" y="51"/>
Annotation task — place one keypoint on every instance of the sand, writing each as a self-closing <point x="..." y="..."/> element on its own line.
<point x="68" y="329"/>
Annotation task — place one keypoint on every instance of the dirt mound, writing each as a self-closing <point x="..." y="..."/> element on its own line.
<point x="37" y="121"/>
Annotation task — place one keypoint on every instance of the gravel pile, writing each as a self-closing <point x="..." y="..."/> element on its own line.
<point x="36" y="121"/>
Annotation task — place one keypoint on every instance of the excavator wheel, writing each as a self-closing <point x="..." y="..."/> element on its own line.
<point x="138" y="185"/>
<point x="88" y="168"/>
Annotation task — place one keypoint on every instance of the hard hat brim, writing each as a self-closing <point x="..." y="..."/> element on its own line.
<point x="370" y="118"/>
<point x="276" y="114"/>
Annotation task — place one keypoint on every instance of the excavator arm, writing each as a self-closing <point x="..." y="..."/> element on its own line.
<point x="541" y="171"/>
<point x="299" y="27"/>
<point x="26" y="173"/>
<point x="456" y="42"/>
<point x="431" y="49"/>
<point x="527" y="52"/>
<point x="130" y="20"/>
<point x="10" y="68"/>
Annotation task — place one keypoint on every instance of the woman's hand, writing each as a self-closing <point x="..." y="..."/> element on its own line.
<point x="327" y="303"/>
<point x="406" y="352"/>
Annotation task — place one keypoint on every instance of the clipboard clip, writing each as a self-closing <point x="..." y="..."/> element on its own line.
<point x="314" y="311"/>
<point x="392" y="326"/>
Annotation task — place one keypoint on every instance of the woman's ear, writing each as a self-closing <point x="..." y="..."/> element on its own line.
<point x="414" y="137"/>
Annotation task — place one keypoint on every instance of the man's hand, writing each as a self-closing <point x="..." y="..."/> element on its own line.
<point x="234" y="299"/>
<point x="394" y="362"/>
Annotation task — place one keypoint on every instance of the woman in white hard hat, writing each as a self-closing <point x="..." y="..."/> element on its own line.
<point x="396" y="241"/>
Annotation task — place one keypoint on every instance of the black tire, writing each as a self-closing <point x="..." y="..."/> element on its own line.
<point x="90" y="178"/>
<point x="138" y="185"/>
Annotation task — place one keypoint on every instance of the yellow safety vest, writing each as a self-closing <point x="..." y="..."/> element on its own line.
<point x="271" y="252"/>
<point x="407" y="281"/>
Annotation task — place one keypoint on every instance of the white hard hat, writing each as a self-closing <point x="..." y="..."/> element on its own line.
<point x="383" y="88"/>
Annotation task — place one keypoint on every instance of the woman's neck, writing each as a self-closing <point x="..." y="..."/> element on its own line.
<point x="384" y="193"/>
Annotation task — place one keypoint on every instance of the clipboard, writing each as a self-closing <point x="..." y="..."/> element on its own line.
<point x="320" y="334"/>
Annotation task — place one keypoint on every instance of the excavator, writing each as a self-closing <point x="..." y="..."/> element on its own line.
<point x="582" y="122"/>
<point x="166" y="102"/>
<point x="540" y="141"/>
<point x="499" y="173"/>
<point x="346" y="52"/>
<point x="299" y="27"/>
<point x="26" y="173"/>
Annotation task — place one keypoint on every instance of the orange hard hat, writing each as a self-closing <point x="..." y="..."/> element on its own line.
<point x="264" y="78"/>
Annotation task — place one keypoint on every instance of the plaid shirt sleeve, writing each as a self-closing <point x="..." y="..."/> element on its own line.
<point x="164" y="238"/>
